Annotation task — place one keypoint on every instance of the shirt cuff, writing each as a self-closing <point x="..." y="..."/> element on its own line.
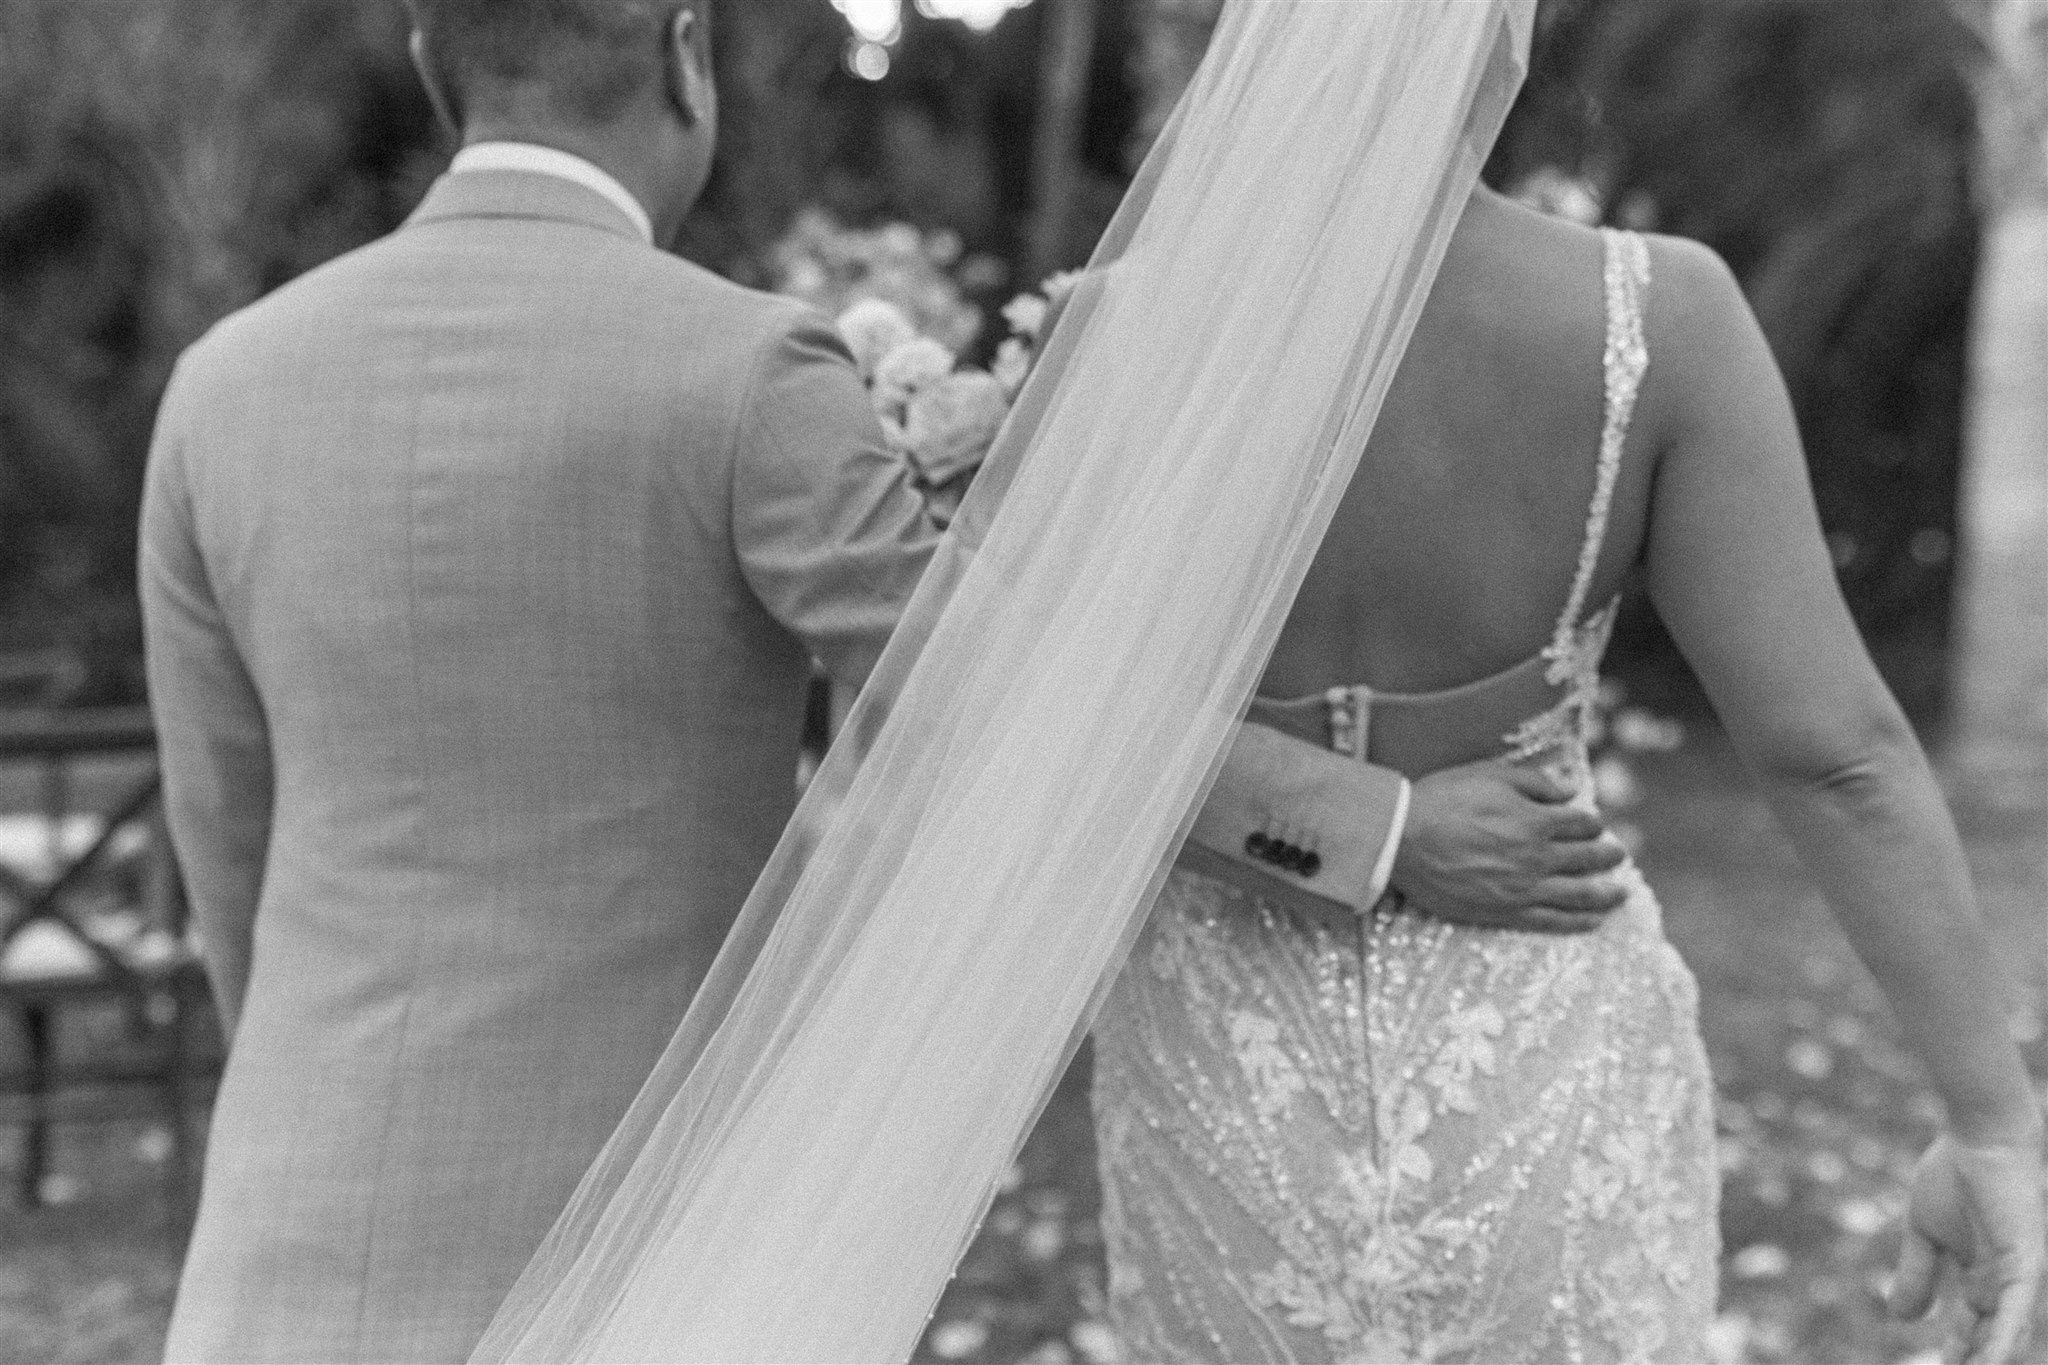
<point x="1383" y="870"/>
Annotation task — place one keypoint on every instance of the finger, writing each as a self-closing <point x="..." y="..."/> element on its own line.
<point x="1544" y="920"/>
<point x="1583" y="896"/>
<point x="2002" y="1342"/>
<point x="1538" y="919"/>
<point x="1912" y="1291"/>
<point x="1536" y="784"/>
<point x="1570" y="824"/>
<point x="1585" y="857"/>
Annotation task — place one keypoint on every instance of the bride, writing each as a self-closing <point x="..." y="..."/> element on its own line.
<point x="1326" y="413"/>
<point x="1412" y="1141"/>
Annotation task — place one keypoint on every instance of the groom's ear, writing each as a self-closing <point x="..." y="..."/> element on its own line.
<point x="439" y="92"/>
<point x="687" y="59"/>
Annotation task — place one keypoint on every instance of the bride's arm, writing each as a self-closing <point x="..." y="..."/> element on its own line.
<point x="1740" y="573"/>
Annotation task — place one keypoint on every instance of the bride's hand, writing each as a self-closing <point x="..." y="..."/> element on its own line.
<point x="1979" y="1208"/>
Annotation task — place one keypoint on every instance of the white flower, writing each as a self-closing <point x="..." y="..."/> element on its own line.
<point x="892" y="432"/>
<point x="1012" y="365"/>
<point x="1057" y="287"/>
<point x="871" y="329"/>
<point x="901" y="239"/>
<point x="1026" y="314"/>
<point x="943" y="246"/>
<point x="1560" y="194"/>
<point x="952" y="422"/>
<point x="914" y="365"/>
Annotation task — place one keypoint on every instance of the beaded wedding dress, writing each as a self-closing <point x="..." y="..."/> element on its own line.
<point x="1416" y="1141"/>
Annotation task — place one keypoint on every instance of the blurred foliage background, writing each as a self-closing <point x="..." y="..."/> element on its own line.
<point x="163" y="162"/>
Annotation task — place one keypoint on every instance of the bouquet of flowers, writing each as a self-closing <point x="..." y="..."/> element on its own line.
<point x="900" y="297"/>
<point x="926" y="275"/>
<point x="941" y="416"/>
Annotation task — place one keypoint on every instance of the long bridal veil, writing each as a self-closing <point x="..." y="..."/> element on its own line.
<point x="931" y="939"/>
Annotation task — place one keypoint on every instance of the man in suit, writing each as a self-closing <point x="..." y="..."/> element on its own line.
<point x="482" y="570"/>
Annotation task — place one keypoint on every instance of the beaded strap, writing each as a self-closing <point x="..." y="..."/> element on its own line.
<point x="1350" y="711"/>
<point x="1625" y="360"/>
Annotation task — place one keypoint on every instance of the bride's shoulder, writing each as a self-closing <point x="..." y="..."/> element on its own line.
<point x="1690" y="280"/>
<point x="1708" y="352"/>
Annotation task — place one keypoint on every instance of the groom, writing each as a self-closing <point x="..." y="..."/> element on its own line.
<point x="482" y="569"/>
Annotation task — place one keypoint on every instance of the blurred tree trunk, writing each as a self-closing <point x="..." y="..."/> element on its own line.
<point x="2001" y="665"/>
<point x="773" y="58"/>
<point x="1056" y="174"/>
<point x="2012" y="98"/>
<point x="1171" y="37"/>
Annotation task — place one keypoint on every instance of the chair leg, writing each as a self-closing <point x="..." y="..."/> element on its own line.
<point x="35" y="1146"/>
<point x="175" y="1070"/>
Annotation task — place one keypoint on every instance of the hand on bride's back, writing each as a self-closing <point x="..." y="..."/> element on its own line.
<point x="1497" y="846"/>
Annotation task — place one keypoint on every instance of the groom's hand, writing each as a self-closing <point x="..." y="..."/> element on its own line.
<point x="1498" y="846"/>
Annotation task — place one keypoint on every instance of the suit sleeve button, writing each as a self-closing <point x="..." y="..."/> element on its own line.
<point x="1257" y="844"/>
<point x="1311" y="863"/>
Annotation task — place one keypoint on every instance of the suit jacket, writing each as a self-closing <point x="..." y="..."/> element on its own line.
<point x="481" y="569"/>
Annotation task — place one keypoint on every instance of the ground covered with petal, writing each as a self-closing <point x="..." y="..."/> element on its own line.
<point x="1820" y="1113"/>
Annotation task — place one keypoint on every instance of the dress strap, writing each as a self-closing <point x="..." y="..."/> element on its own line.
<point x="1625" y="359"/>
<point x="1350" y="711"/>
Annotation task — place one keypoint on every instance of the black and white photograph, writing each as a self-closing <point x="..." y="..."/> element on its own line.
<point x="1024" y="682"/>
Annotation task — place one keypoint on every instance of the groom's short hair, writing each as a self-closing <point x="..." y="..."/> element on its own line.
<point x="593" y="55"/>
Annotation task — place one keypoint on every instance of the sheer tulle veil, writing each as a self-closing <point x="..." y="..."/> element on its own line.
<point x="965" y="875"/>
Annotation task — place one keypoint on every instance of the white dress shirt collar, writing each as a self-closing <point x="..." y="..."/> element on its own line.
<point x="539" y="160"/>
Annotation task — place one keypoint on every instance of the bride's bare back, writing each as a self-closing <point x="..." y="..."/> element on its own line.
<point x="1454" y="549"/>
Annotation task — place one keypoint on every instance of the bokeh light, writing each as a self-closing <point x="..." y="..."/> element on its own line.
<point x="878" y="24"/>
<point x="876" y="21"/>
<point x="869" y="61"/>
<point x="979" y="15"/>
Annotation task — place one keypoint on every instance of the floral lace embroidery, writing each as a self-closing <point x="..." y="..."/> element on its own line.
<point x="1533" y="1179"/>
<point x="1562" y="730"/>
<point x="1270" y="1071"/>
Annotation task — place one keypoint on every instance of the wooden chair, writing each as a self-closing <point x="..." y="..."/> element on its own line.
<point x="153" y="975"/>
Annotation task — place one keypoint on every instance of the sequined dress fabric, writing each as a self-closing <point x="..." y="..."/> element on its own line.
<point x="1411" y="1141"/>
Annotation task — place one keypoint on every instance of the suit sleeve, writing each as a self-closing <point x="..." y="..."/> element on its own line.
<point x="213" y="743"/>
<point x="832" y="538"/>
<point x="831" y="535"/>
<point x="1285" y="815"/>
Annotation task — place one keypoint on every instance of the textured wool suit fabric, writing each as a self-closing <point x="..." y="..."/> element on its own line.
<point x="481" y="571"/>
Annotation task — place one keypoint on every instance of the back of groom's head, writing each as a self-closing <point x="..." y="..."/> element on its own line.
<point x="591" y="57"/>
